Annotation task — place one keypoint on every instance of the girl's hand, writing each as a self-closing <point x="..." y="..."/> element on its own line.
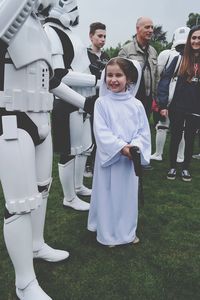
<point x="125" y="151"/>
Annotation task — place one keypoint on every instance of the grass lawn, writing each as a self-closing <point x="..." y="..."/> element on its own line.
<point x="165" y="265"/>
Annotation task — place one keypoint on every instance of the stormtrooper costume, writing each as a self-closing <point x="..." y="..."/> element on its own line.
<point x="164" y="60"/>
<point x="25" y="138"/>
<point x="72" y="136"/>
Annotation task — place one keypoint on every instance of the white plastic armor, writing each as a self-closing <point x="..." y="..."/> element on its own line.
<point x="87" y="137"/>
<point x="76" y="128"/>
<point x="180" y="36"/>
<point x="163" y="58"/>
<point x="166" y="56"/>
<point x="79" y="79"/>
<point x="26" y="83"/>
<point x="80" y="51"/>
<point x="85" y="84"/>
<point x="80" y="132"/>
<point x="63" y="91"/>
<point x="66" y="12"/>
<point x="70" y="96"/>
<point x="82" y="83"/>
<point x="13" y="15"/>
<point x="26" y="89"/>
<point x="32" y="42"/>
<point x="43" y="4"/>
<point x="20" y="188"/>
<point x="25" y="142"/>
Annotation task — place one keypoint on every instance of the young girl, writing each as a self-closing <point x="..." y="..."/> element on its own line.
<point x="119" y="122"/>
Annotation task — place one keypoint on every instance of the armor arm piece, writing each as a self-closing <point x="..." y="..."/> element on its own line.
<point x="70" y="96"/>
<point x="13" y="14"/>
<point x="78" y="79"/>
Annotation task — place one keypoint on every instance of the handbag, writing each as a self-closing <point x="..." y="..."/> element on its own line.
<point x="173" y="81"/>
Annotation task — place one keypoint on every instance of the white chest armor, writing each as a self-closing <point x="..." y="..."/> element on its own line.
<point x="80" y="62"/>
<point x="165" y="58"/>
<point x="26" y="77"/>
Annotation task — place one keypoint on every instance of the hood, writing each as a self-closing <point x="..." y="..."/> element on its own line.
<point x="103" y="90"/>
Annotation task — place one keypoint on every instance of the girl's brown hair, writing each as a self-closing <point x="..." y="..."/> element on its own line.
<point x="126" y="66"/>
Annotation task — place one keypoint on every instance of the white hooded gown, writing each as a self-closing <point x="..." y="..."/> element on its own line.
<point x="119" y="118"/>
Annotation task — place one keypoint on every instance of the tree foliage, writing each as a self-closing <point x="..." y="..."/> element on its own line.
<point x="159" y="40"/>
<point x="193" y="19"/>
<point x="159" y="35"/>
<point x="113" y="52"/>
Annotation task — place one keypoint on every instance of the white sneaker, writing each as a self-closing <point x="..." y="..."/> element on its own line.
<point x="179" y="160"/>
<point x="196" y="156"/>
<point x="32" y="292"/>
<point x="136" y="240"/>
<point x="171" y="175"/>
<point x="77" y="204"/>
<point x="186" y="175"/>
<point x="83" y="191"/>
<point x="49" y="254"/>
<point x="156" y="157"/>
<point x="88" y="172"/>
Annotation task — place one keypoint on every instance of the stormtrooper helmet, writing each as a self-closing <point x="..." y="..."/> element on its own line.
<point x="180" y="36"/>
<point x="43" y="7"/>
<point x="66" y="11"/>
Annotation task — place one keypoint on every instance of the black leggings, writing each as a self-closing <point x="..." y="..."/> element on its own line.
<point x="180" y="121"/>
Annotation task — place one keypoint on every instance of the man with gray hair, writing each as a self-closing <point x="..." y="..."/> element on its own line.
<point x="141" y="50"/>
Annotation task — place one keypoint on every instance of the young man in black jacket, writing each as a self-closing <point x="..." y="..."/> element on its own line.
<point x="98" y="59"/>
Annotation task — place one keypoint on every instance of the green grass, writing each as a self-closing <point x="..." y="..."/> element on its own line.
<point x="164" y="266"/>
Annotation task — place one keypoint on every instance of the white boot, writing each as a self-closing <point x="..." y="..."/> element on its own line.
<point x="80" y="163"/>
<point x="181" y="149"/>
<point x="40" y="249"/>
<point x="66" y="175"/>
<point x="31" y="292"/>
<point x="18" y="239"/>
<point x="160" y="142"/>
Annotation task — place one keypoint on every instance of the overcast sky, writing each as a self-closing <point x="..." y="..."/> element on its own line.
<point x="120" y="16"/>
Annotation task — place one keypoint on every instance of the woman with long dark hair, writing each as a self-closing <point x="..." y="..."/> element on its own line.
<point x="184" y="109"/>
